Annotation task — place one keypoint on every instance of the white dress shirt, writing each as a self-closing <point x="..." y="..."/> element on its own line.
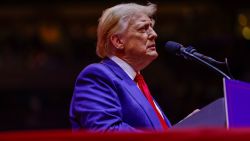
<point x="129" y="71"/>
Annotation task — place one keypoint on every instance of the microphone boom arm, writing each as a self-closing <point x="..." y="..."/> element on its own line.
<point x="206" y="63"/>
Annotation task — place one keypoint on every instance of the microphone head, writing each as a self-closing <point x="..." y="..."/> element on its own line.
<point x="173" y="47"/>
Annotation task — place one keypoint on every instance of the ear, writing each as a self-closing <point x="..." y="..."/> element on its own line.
<point x="117" y="41"/>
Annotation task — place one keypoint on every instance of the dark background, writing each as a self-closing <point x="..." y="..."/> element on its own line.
<point x="45" y="44"/>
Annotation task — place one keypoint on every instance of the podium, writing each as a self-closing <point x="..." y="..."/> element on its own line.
<point x="237" y="97"/>
<point x="213" y="115"/>
<point x="233" y="110"/>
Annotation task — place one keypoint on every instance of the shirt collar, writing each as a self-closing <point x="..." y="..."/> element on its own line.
<point x="125" y="66"/>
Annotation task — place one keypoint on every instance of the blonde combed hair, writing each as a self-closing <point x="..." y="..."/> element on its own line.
<point x="115" y="20"/>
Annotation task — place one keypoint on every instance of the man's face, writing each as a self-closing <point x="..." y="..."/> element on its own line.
<point x="139" y="40"/>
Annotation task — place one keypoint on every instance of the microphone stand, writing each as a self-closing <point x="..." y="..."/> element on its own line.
<point x="190" y="55"/>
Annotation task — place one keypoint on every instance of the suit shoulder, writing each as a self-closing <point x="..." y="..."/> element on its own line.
<point x="96" y="69"/>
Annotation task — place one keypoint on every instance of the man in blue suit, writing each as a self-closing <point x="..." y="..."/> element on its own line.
<point x="106" y="97"/>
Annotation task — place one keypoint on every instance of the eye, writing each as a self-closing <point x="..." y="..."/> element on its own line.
<point x="144" y="28"/>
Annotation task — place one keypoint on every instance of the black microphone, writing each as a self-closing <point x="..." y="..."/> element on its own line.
<point x="178" y="49"/>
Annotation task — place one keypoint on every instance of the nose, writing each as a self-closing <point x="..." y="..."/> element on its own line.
<point x="152" y="35"/>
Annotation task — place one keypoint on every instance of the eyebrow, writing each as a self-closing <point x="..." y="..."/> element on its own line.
<point x="143" y="22"/>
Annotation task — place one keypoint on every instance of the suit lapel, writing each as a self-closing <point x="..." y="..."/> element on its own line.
<point x="134" y="91"/>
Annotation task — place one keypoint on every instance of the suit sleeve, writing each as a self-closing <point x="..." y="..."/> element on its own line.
<point x="95" y="104"/>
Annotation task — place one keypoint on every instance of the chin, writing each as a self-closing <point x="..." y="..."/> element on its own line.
<point x="151" y="58"/>
<point x="153" y="55"/>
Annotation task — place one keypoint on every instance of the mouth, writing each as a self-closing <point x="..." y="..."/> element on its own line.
<point x="152" y="47"/>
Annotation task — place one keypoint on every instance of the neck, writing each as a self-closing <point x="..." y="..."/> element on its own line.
<point x="135" y="63"/>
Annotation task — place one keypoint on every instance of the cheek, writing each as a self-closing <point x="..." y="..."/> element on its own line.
<point x="136" y="42"/>
<point x="137" y="45"/>
<point x="139" y="40"/>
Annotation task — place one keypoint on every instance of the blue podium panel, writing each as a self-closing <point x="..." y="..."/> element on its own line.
<point x="237" y="101"/>
<point x="211" y="116"/>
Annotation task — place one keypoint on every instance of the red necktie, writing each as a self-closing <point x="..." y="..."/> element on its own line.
<point x="144" y="88"/>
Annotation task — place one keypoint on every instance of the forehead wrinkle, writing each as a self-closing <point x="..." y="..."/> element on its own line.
<point x="143" y="22"/>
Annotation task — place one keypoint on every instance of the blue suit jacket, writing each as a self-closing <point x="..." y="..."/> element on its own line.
<point x="106" y="99"/>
